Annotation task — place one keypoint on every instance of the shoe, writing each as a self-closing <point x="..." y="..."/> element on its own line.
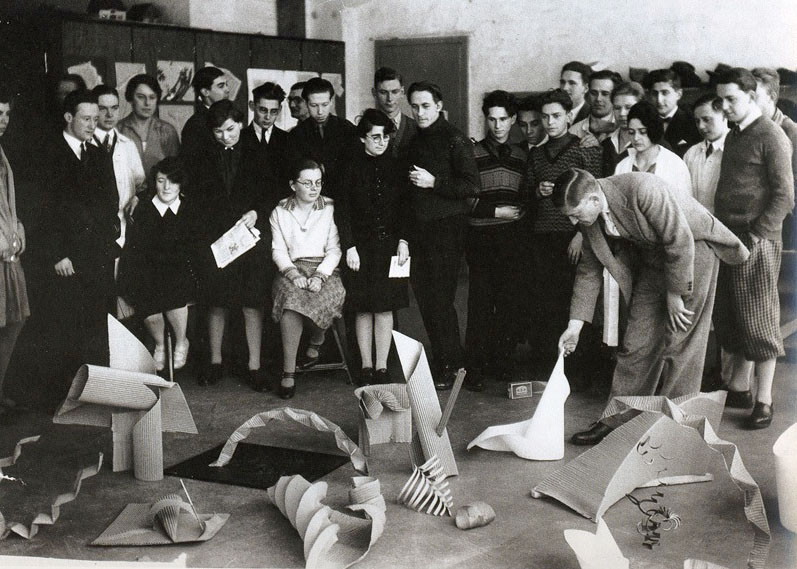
<point x="159" y="355"/>
<point x="286" y="392"/>
<point x="180" y="355"/>
<point x="366" y="376"/>
<point x="211" y="375"/>
<point x="309" y="361"/>
<point x="445" y="380"/>
<point x="258" y="380"/>
<point x="760" y="418"/>
<point x="739" y="399"/>
<point x="473" y="381"/>
<point x="382" y="377"/>
<point x="593" y="436"/>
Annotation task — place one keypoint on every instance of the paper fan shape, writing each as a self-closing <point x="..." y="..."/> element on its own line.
<point x="427" y="489"/>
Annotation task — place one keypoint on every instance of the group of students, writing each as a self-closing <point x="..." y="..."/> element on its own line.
<point x="329" y="191"/>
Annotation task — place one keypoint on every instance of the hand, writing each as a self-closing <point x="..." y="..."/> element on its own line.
<point x="300" y="282"/>
<point x="314" y="284"/>
<point x="403" y="252"/>
<point x="130" y="207"/>
<point x="7" y="253"/>
<point x="545" y="189"/>
<point x="569" y="338"/>
<point x="507" y="212"/>
<point x="589" y="140"/>
<point x="353" y="258"/>
<point x="421" y="178"/>
<point x="249" y="219"/>
<point x="574" y="249"/>
<point x="64" y="268"/>
<point x="678" y="313"/>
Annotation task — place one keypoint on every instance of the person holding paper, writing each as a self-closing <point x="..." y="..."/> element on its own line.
<point x="373" y="216"/>
<point x="306" y="249"/>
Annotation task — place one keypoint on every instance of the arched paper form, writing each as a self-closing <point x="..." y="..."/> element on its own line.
<point x="427" y="490"/>
<point x="125" y="350"/>
<point x="663" y="444"/>
<point x="45" y="519"/>
<point x="543" y="436"/>
<point x="785" y="451"/>
<point x="596" y="550"/>
<point x="332" y="539"/>
<point x="306" y="418"/>
<point x="426" y="412"/>
<point x="385" y="415"/>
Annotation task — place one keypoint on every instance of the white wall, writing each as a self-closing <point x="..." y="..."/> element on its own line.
<point x="520" y="45"/>
<point x="323" y="19"/>
<point x="242" y="16"/>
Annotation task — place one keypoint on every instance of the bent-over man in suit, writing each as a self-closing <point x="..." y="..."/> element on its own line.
<point x="665" y="256"/>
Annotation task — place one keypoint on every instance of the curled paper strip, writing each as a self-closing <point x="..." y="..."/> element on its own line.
<point x="385" y="415"/>
<point x="55" y="509"/>
<point x="543" y="436"/>
<point x="306" y="418"/>
<point x="332" y="539"/>
<point x="12" y="460"/>
<point x="598" y="550"/>
<point x="428" y="490"/>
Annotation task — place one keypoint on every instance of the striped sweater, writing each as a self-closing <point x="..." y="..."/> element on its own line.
<point x="502" y="170"/>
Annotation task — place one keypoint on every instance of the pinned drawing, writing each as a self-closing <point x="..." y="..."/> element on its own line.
<point x="670" y="442"/>
<point x="125" y="71"/>
<point x="332" y="539"/>
<point x="174" y="78"/>
<point x="541" y="437"/>
<point x="427" y="490"/>
<point x="302" y="417"/>
<point x="137" y="405"/>
<point x="425" y="405"/>
<point x="285" y="79"/>
<point x="596" y="550"/>
<point x="88" y="71"/>
<point x="385" y="415"/>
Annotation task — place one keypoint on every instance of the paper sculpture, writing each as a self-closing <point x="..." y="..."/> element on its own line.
<point x="785" y="450"/>
<point x="425" y="405"/>
<point x="19" y="562"/>
<point x="306" y="418"/>
<point x="332" y="539"/>
<point x="88" y="72"/>
<point x="167" y="521"/>
<point x="474" y="515"/>
<point x="543" y="436"/>
<point x="596" y="550"/>
<point x="668" y="443"/>
<point x="137" y="405"/>
<point x="427" y="489"/>
<point x="385" y="415"/>
<point x="45" y="519"/>
<point x="174" y="78"/>
<point x="611" y="309"/>
<point x="698" y="564"/>
<point x="12" y="460"/>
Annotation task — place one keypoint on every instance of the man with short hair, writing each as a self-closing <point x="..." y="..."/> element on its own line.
<point x="601" y="122"/>
<point x="755" y="192"/>
<point x="444" y="179"/>
<point x="530" y="123"/>
<point x="664" y="255"/>
<point x="574" y="80"/>
<point x="664" y="91"/>
<point x="704" y="158"/>
<point x="296" y="103"/>
<point x="266" y="105"/>
<point x="210" y="85"/>
<point x="388" y="92"/>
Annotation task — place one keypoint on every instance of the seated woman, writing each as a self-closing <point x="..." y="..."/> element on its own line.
<point x="615" y="147"/>
<point x="373" y="219"/>
<point x="306" y="250"/>
<point x="646" y="131"/>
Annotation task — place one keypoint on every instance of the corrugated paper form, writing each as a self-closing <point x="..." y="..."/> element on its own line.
<point x="385" y="415"/>
<point x="596" y="550"/>
<point x="426" y="412"/>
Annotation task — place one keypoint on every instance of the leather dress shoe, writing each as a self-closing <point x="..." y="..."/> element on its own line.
<point x="593" y="436"/>
<point x="760" y="418"/>
<point x="473" y="381"/>
<point x="366" y="376"/>
<point x="258" y="380"/>
<point x="286" y="392"/>
<point x="445" y="380"/>
<point x="382" y="377"/>
<point x="214" y="373"/>
<point x="739" y="399"/>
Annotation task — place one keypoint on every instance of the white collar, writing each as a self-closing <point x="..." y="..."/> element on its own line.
<point x="397" y="120"/>
<point x="671" y="114"/>
<point x="540" y="143"/>
<point x="754" y="113"/>
<point x="98" y="131"/>
<point x="74" y="143"/>
<point x="718" y="144"/>
<point x="162" y="207"/>
<point x="574" y="111"/>
<point x="606" y="214"/>
<point x="260" y="132"/>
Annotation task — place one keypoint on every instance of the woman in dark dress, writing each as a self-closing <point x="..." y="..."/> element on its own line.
<point x="373" y="214"/>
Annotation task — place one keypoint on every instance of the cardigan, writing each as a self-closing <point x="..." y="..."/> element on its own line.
<point x="161" y="138"/>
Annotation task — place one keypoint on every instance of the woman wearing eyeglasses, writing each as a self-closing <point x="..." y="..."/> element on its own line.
<point x="373" y="216"/>
<point x="306" y="249"/>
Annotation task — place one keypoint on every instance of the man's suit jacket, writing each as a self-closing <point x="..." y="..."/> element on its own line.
<point x="274" y="153"/>
<point x="195" y="137"/>
<point x="682" y="132"/>
<point x="583" y="113"/>
<point x="647" y="216"/>
<point x="408" y="128"/>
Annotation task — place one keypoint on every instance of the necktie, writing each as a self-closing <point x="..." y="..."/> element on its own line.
<point x="666" y="122"/>
<point x="83" y="152"/>
<point x="321" y="131"/>
<point x="709" y="149"/>
<point x="263" y="138"/>
<point x="107" y="143"/>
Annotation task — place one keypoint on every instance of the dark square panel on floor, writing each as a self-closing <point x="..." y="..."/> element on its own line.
<point x="257" y="466"/>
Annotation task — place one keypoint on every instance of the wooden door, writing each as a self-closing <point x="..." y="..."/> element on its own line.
<point x="443" y="61"/>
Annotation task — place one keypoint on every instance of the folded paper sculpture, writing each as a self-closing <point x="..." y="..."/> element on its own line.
<point x="425" y="405"/>
<point x="698" y="564"/>
<point x="302" y="417"/>
<point x="596" y="550"/>
<point x="50" y="518"/>
<point x="167" y="521"/>
<point x="543" y="436"/>
<point x="785" y="451"/>
<point x="20" y="562"/>
<point x="385" y="415"/>
<point x="668" y="443"/>
<point x="427" y="490"/>
<point x="12" y="460"/>
<point x="332" y="539"/>
<point x="137" y="405"/>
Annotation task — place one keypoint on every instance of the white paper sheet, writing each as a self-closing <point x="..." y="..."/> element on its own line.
<point x="235" y="242"/>
<point x="596" y="550"/>
<point x="399" y="271"/>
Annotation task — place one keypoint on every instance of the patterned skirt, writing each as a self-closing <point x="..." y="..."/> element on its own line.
<point x="321" y="307"/>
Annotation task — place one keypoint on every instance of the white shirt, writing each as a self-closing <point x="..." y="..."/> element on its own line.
<point x="705" y="170"/>
<point x="606" y="214"/>
<point x="317" y="236"/>
<point x="75" y="144"/>
<point x="581" y="128"/>
<point x="162" y="207"/>
<point x="754" y="113"/>
<point x="669" y="167"/>
<point x="260" y="132"/>
<point x="575" y="110"/>
<point x="540" y="143"/>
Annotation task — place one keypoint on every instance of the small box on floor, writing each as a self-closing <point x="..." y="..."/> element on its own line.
<point x="518" y="389"/>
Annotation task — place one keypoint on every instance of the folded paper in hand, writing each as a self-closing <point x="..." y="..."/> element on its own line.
<point x="399" y="271"/>
<point x="234" y="243"/>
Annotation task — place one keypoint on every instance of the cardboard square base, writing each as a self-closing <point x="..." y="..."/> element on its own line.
<point x="257" y="466"/>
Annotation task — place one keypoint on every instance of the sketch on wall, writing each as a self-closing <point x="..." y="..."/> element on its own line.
<point x="175" y="78"/>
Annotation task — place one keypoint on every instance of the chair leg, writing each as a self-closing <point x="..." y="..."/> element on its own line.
<point x="341" y="350"/>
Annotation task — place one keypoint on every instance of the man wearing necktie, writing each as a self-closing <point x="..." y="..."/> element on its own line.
<point x="666" y="267"/>
<point x="388" y="92"/>
<point x="664" y="86"/>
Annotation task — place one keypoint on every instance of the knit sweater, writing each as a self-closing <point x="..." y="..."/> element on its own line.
<point x="756" y="186"/>
<point x="546" y="163"/>
<point x="502" y="169"/>
<point x="448" y="155"/>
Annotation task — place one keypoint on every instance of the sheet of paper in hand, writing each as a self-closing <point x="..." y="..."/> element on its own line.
<point x="399" y="271"/>
<point x="235" y="242"/>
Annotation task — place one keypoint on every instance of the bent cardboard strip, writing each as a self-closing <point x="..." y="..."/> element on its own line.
<point x="302" y="417"/>
<point x="385" y="415"/>
<point x="596" y="550"/>
<point x="543" y="436"/>
<point x="427" y="490"/>
<point x="12" y="460"/>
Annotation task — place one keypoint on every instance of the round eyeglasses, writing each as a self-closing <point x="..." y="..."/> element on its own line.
<point x="307" y="184"/>
<point x="377" y="138"/>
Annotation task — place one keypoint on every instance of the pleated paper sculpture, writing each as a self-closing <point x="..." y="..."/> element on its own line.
<point x="385" y="415"/>
<point x="427" y="490"/>
<point x="596" y="550"/>
<point x="543" y="436"/>
<point x="137" y="405"/>
<point x="332" y="539"/>
<point x="425" y="405"/>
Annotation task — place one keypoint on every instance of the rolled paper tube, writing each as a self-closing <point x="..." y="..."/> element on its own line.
<point x="148" y="446"/>
<point x="611" y="309"/>
<point x="475" y="515"/>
